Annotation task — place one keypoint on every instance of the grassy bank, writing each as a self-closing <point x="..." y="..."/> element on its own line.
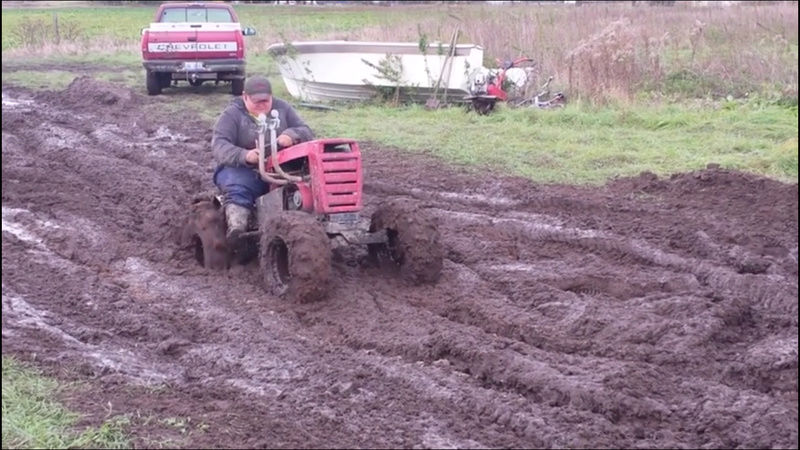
<point x="585" y="144"/>
<point x="33" y="418"/>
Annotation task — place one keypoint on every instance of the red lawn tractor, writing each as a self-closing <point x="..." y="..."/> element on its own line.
<point x="312" y="206"/>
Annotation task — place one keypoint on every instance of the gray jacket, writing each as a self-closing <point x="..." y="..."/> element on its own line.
<point x="236" y="131"/>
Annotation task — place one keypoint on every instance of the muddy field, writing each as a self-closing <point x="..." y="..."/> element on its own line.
<point x="649" y="312"/>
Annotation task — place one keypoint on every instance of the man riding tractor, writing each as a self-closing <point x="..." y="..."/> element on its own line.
<point x="307" y="198"/>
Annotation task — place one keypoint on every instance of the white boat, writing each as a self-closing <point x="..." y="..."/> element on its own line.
<point x="330" y="71"/>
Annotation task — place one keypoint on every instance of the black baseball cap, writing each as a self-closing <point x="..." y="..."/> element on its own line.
<point x="258" y="88"/>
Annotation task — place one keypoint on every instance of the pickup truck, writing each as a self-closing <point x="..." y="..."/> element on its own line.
<point x="194" y="42"/>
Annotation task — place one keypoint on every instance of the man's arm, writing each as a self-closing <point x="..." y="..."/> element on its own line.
<point x="223" y="146"/>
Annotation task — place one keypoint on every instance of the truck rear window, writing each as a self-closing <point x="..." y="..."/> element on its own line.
<point x="213" y="15"/>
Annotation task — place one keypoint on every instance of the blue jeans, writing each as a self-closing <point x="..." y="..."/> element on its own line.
<point x="240" y="185"/>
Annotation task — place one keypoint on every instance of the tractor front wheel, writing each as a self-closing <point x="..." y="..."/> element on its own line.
<point x="295" y="256"/>
<point x="413" y="242"/>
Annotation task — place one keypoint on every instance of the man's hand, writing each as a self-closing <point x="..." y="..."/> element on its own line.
<point x="285" y="140"/>
<point x="252" y="156"/>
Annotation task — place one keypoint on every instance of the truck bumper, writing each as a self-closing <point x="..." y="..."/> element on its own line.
<point x="222" y="69"/>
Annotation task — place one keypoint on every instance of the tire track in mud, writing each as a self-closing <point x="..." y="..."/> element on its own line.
<point x="565" y="316"/>
<point x="168" y="338"/>
<point x="493" y="366"/>
<point x="265" y="366"/>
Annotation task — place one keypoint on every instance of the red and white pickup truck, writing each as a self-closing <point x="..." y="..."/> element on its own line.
<point x="194" y="42"/>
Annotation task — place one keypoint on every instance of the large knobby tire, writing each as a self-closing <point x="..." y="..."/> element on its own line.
<point x="204" y="232"/>
<point x="295" y="256"/>
<point x="153" y="83"/>
<point x="414" y="244"/>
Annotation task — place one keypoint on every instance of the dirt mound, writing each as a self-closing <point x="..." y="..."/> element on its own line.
<point x="87" y="93"/>
<point x="644" y="182"/>
<point x="650" y="312"/>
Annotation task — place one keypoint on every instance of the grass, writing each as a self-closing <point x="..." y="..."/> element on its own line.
<point x="585" y="145"/>
<point x="20" y="25"/>
<point x="51" y="79"/>
<point x="28" y="29"/>
<point x="618" y="52"/>
<point x="32" y="418"/>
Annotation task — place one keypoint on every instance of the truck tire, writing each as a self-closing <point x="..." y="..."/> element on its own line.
<point x="414" y="245"/>
<point x="153" y="83"/>
<point x="237" y="86"/>
<point x="204" y="232"/>
<point x="295" y="256"/>
<point x="165" y="79"/>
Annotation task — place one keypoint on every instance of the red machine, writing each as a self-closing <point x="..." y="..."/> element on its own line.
<point x="487" y="87"/>
<point x="313" y="206"/>
<point x="509" y="83"/>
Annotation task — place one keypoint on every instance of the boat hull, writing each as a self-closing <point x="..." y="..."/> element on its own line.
<point x="346" y="71"/>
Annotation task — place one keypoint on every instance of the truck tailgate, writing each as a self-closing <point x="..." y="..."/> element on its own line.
<point x="196" y="41"/>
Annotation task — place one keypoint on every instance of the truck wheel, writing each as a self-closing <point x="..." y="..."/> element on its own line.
<point x="295" y="256"/>
<point x="414" y="245"/>
<point x="237" y="86"/>
<point x="204" y="232"/>
<point x="153" y="83"/>
<point x="165" y="79"/>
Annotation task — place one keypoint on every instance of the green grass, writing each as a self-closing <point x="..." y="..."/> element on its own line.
<point x="585" y="145"/>
<point x="32" y="418"/>
<point x="51" y="79"/>
<point x="119" y="23"/>
<point x="122" y="25"/>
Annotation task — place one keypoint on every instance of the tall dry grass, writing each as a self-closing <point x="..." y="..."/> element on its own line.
<point x="619" y="51"/>
<point x="43" y="37"/>
<point x="599" y="52"/>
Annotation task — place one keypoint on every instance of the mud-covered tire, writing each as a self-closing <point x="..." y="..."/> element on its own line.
<point x="237" y="86"/>
<point x="295" y="256"/>
<point x="153" y="83"/>
<point x="414" y="244"/>
<point x="204" y="233"/>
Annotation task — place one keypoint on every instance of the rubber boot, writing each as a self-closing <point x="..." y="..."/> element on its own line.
<point x="237" y="217"/>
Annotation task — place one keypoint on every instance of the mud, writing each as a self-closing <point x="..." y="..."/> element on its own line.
<point x="649" y="312"/>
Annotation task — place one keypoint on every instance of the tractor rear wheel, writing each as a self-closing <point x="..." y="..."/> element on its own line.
<point x="204" y="232"/>
<point x="414" y="245"/>
<point x="295" y="256"/>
